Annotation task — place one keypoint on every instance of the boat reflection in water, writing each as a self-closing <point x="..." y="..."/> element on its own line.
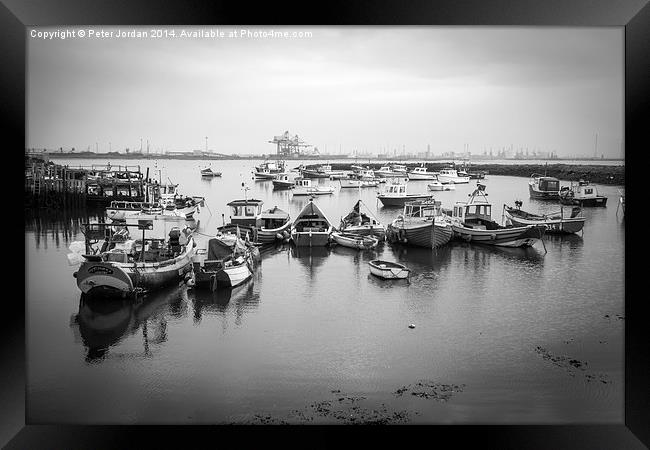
<point x="311" y="257"/>
<point x="221" y="302"/>
<point x="104" y="323"/>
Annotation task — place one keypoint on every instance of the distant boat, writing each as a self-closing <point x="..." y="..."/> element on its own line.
<point x="303" y="186"/>
<point x="350" y="183"/>
<point x="322" y="171"/>
<point x="228" y="261"/>
<point x="124" y="266"/>
<point x="209" y="173"/>
<point x="438" y="186"/>
<point x="387" y="172"/>
<point x="395" y="195"/>
<point x="359" y="222"/>
<point x="560" y="222"/>
<point x="422" y="224"/>
<point x="353" y="240"/>
<point x="311" y="227"/>
<point x="543" y="187"/>
<point x="283" y="181"/>
<point x="269" y="169"/>
<point x="421" y="173"/>
<point x="581" y="194"/>
<point x="400" y="169"/>
<point x="388" y="270"/>
<point x="121" y="210"/>
<point x="452" y="176"/>
<point x="472" y="221"/>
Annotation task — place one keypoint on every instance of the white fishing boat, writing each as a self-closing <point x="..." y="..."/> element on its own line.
<point x="283" y="181"/>
<point x="311" y="227"/>
<point x="353" y="240"/>
<point x="303" y="186"/>
<point x="421" y="173"/>
<point x="358" y="183"/>
<point x="395" y="195"/>
<point x="388" y="270"/>
<point x="122" y="210"/>
<point x="452" y="176"/>
<point x="359" y="222"/>
<point x="400" y="169"/>
<point x="124" y="266"/>
<point x="209" y="173"/>
<point x="387" y="172"/>
<point x="228" y="261"/>
<point x="422" y="224"/>
<point x="268" y="169"/>
<point x="581" y="194"/>
<point x="564" y="221"/>
<point x="438" y="186"/>
<point x="543" y="187"/>
<point x="472" y="222"/>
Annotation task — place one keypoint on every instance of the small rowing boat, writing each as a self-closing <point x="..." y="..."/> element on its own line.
<point x="353" y="240"/>
<point x="388" y="270"/>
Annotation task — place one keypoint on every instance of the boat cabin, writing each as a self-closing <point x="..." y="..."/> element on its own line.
<point x="245" y="212"/>
<point x="422" y="170"/>
<point x="449" y="172"/>
<point x="274" y="218"/>
<point x="395" y="190"/>
<point x="399" y="168"/>
<point x="546" y="184"/>
<point x="302" y="182"/>
<point x="423" y="209"/>
<point x="475" y="213"/>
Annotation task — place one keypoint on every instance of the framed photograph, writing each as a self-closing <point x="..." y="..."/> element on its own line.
<point x="379" y="214"/>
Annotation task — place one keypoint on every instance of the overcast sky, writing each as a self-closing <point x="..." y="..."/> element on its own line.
<point x="364" y="88"/>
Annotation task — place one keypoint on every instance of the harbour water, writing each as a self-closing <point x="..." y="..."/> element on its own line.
<point x="501" y="335"/>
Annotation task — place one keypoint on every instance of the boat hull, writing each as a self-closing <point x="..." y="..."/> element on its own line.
<point x="310" y="239"/>
<point x="419" y="234"/>
<point x="358" y="242"/>
<point x="120" y="279"/>
<point x="401" y="200"/>
<point x="421" y="176"/>
<point x="312" y="191"/>
<point x="554" y="225"/>
<point x="265" y="236"/>
<point x="504" y="237"/>
<point x="282" y="184"/>
<point x="589" y="202"/>
<point x="455" y="180"/>
<point x="543" y="195"/>
<point x="366" y="230"/>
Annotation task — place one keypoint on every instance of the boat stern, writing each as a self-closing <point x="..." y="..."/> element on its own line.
<point x="103" y="276"/>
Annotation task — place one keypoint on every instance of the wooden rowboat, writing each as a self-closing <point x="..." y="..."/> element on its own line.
<point x="353" y="240"/>
<point x="388" y="270"/>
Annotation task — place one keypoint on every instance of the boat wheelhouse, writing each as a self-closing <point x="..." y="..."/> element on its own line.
<point x="543" y="187"/>
<point x="581" y="194"/>
<point x="472" y="221"/>
<point x="303" y="186"/>
<point x="387" y="172"/>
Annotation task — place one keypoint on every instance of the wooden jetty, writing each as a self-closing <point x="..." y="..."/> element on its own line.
<point x="55" y="186"/>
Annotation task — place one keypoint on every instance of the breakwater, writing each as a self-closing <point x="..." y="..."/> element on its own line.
<point x="612" y="175"/>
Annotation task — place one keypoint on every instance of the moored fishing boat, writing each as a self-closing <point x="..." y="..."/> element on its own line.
<point x="303" y="186"/>
<point x="269" y="169"/>
<point x="472" y="222"/>
<point x="543" y="187"/>
<point x="395" y="195"/>
<point x="209" y="173"/>
<point x="228" y="261"/>
<point x="422" y="224"/>
<point x="560" y="222"/>
<point x="359" y="222"/>
<point x="321" y="171"/>
<point x="421" y="173"/>
<point x="121" y="211"/>
<point x="388" y="270"/>
<point x="452" y="176"/>
<point x="438" y="186"/>
<point x="353" y="240"/>
<point x="358" y="183"/>
<point x="387" y="172"/>
<point x="263" y="227"/>
<point x="125" y="266"/>
<point x="283" y="181"/>
<point x="311" y="227"/>
<point x="581" y="194"/>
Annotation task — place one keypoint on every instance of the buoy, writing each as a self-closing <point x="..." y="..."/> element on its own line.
<point x="411" y="326"/>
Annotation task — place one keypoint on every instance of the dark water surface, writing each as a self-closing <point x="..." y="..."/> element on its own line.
<point x="501" y="335"/>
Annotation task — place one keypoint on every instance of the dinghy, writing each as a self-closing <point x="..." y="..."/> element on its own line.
<point x="388" y="270"/>
<point x="352" y="240"/>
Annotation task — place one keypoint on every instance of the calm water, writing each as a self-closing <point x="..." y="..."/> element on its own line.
<point x="314" y="338"/>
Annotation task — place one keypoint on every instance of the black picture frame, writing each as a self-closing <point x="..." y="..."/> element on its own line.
<point x="634" y="15"/>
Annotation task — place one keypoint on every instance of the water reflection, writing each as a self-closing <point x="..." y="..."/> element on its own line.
<point x="104" y="323"/>
<point x="59" y="224"/>
<point x="240" y="299"/>
<point x="422" y="259"/>
<point x="482" y="255"/>
<point x="310" y="257"/>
